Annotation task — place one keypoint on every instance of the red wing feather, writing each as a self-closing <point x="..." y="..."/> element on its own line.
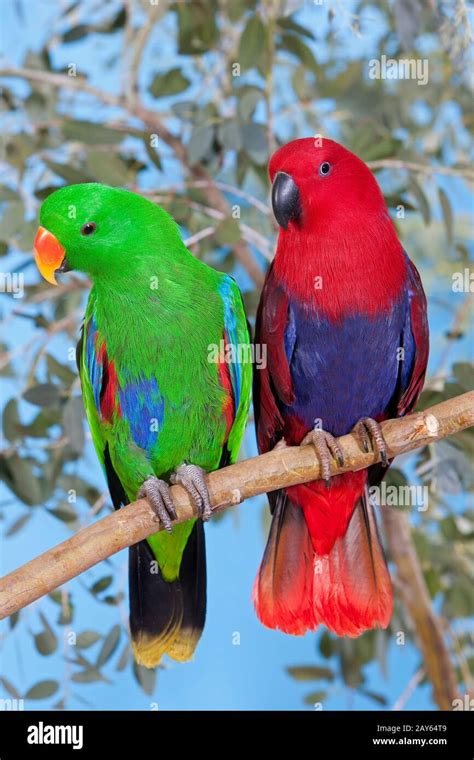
<point x="419" y="327"/>
<point x="273" y="380"/>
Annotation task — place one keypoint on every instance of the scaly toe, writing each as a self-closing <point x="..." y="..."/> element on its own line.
<point x="370" y="435"/>
<point x="325" y="445"/>
<point x="193" y="479"/>
<point x="159" y="495"/>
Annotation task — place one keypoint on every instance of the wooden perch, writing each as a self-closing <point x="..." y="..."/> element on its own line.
<point x="228" y="487"/>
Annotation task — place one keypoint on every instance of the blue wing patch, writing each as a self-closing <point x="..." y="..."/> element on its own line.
<point x="226" y="292"/>
<point x="143" y="406"/>
<point x="94" y="367"/>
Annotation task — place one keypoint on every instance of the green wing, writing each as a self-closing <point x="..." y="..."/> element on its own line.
<point x="240" y="364"/>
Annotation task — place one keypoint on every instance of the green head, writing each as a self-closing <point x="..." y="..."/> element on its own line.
<point x="105" y="232"/>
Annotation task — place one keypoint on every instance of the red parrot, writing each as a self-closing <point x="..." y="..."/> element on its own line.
<point x="343" y="317"/>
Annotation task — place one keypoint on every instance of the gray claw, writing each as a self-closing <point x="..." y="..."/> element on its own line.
<point x="325" y="445"/>
<point x="159" y="495"/>
<point x="370" y="436"/>
<point x="193" y="479"/>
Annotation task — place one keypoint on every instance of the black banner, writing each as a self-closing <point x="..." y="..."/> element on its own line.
<point x="377" y="734"/>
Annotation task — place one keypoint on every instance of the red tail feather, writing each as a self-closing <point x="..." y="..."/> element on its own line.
<point x="348" y="589"/>
<point x="283" y="589"/>
<point x="352" y="591"/>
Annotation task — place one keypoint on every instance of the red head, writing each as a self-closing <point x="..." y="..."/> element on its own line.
<point x="335" y="228"/>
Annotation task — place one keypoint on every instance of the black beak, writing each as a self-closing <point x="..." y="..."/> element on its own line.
<point x="64" y="267"/>
<point x="285" y="200"/>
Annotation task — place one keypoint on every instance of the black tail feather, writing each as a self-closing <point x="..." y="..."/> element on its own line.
<point x="167" y="616"/>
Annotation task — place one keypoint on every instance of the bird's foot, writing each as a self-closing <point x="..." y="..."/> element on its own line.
<point x="193" y="479"/>
<point x="326" y="446"/>
<point x="159" y="495"/>
<point x="282" y="444"/>
<point x="369" y="434"/>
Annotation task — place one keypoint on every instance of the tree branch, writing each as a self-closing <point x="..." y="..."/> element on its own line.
<point x="416" y="599"/>
<point x="395" y="163"/>
<point x="269" y="472"/>
<point x="228" y="487"/>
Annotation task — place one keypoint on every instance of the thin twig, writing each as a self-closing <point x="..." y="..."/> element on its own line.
<point x="412" y="684"/>
<point x="395" y="163"/>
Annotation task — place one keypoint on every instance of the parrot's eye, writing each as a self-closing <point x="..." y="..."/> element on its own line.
<point x="88" y="228"/>
<point x="324" y="169"/>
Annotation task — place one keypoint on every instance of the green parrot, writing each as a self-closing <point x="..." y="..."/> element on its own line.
<point x="165" y="370"/>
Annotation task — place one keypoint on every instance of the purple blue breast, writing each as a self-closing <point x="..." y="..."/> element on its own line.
<point x="342" y="372"/>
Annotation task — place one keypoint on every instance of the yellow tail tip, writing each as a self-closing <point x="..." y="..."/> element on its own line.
<point x="148" y="651"/>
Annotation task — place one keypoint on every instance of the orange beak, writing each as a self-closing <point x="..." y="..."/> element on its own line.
<point x="49" y="254"/>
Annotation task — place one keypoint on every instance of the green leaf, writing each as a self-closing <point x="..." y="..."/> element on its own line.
<point x="395" y="477"/>
<point x="113" y="598"/>
<point x="101" y="584"/>
<point x="62" y="371"/>
<point x="66" y="513"/>
<point x="380" y="147"/>
<point x="200" y="143"/>
<point x="315" y="697"/>
<point x="310" y="673"/>
<point x="16" y="526"/>
<point x="108" y="168"/>
<point x="197" y="26"/>
<point x="67" y="607"/>
<point x="91" y="133"/>
<point x="228" y="232"/>
<point x="373" y="695"/>
<point x="287" y="23"/>
<point x="447" y="216"/>
<point x="88" y="675"/>
<point x="124" y="657"/>
<point x="46" y="641"/>
<point x="109" y="646"/>
<point x="421" y="199"/>
<point x="185" y="110"/>
<point x="73" y="416"/>
<point x="72" y="175"/>
<point x="146" y="677"/>
<point x="38" y="427"/>
<point x="170" y="82"/>
<point x="300" y="49"/>
<point x="13" y="215"/>
<point x="19" y="475"/>
<point x="18" y="148"/>
<point x="326" y="645"/>
<point x="253" y="45"/>
<point x="464" y="374"/>
<point x="42" y="690"/>
<point x="304" y="84"/>
<point x="11" y="420"/>
<point x="77" y="33"/>
<point x="459" y="600"/>
<point x="254" y="141"/>
<point x="247" y="103"/>
<point x="9" y="688"/>
<point x="8" y="194"/>
<point x="45" y="394"/>
<point x="87" y="638"/>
